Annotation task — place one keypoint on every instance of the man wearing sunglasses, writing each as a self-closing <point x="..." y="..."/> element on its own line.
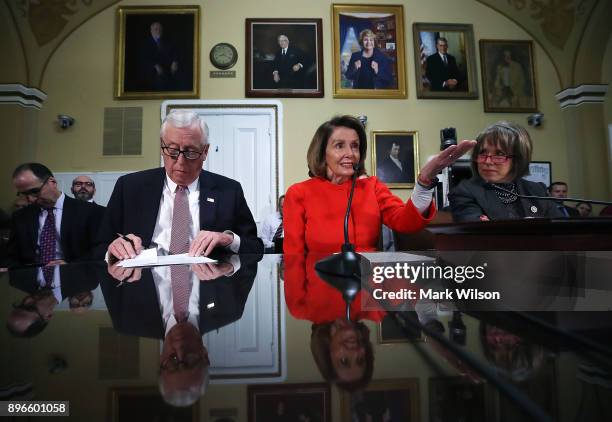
<point x="179" y="208"/>
<point x="53" y="228"/>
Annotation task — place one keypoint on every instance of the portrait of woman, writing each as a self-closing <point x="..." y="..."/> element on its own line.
<point x="369" y="68"/>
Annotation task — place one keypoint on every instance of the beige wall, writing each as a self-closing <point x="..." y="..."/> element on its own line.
<point x="80" y="76"/>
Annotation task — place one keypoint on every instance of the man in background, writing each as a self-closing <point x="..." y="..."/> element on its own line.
<point x="442" y="70"/>
<point x="84" y="188"/>
<point x="392" y="170"/>
<point x="287" y="67"/>
<point x="559" y="190"/>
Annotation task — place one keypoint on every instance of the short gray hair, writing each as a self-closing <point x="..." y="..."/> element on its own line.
<point x="179" y="118"/>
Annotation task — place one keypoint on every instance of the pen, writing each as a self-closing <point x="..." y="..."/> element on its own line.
<point x="124" y="237"/>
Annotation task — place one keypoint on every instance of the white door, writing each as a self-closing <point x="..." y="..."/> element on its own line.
<point x="246" y="145"/>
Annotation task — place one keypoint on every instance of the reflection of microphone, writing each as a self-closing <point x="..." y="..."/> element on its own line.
<point x="545" y="198"/>
<point x="343" y="271"/>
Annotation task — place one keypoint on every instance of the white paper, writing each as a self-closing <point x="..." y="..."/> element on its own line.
<point x="149" y="258"/>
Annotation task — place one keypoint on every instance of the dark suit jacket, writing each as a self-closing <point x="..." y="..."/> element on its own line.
<point x="437" y="73"/>
<point x="471" y="199"/>
<point x="135" y="310"/>
<point x="77" y="234"/>
<point x="391" y="173"/>
<point x="73" y="278"/>
<point x="364" y="77"/>
<point x="284" y="63"/>
<point x="134" y="205"/>
<point x="572" y="212"/>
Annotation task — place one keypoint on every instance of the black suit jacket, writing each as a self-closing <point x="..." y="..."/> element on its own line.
<point x="437" y="73"/>
<point x="80" y="222"/>
<point x="134" y="205"/>
<point x="284" y="65"/>
<point x="135" y="310"/>
<point x="391" y="173"/>
<point x="471" y="199"/>
<point x="73" y="279"/>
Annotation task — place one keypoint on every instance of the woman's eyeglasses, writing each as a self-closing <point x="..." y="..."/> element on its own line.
<point x="495" y="158"/>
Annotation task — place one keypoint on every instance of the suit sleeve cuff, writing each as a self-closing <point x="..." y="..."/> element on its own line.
<point x="235" y="245"/>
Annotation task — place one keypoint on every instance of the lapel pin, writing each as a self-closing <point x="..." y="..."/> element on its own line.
<point x="534" y="209"/>
<point x="210" y="305"/>
<point x="210" y="199"/>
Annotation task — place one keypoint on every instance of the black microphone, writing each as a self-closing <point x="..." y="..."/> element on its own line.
<point x="343" y="270"/>
<point x="545" y="198"/>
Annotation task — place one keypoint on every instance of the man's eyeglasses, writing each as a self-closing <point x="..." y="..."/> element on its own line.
<point x="79" y="184"/>
<point x="34" y="191"/>
<point x="174" y="364"/>
<point x="175" y="152"/>
<point x="495" y="159"/>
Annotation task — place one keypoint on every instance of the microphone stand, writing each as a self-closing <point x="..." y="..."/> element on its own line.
<point x="549" y="198"/>
<point x="343" y="270"/>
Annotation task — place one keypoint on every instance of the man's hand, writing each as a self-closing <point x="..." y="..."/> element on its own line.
<point x="206" y="241"/>
<point x="444" y="159"/>
<point x="122" y="249"/>
<point x="276" y="77"/>
<point x="124" y="274"/>
<point x="296" y="67"/>
<point x="451" y="83"/>
<point x="375" y="67"/>
<point x="159" y="70"/>
<point x="174" y="67"/>
<point x="212" y="271"/>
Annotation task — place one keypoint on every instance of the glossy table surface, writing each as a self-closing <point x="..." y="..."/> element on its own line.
<point x="268" y="340"/>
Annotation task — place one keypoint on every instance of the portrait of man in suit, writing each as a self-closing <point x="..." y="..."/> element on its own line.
<point x="442" y="70"/>
<point x="287" y="71"/>
<point x="178" y="208"/>
<point x="394" y="161"/>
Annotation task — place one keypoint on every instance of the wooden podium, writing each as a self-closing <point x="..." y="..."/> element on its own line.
<point x="534" y="234"/>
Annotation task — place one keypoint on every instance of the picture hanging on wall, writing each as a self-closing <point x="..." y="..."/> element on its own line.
<point x="395" y="157"/>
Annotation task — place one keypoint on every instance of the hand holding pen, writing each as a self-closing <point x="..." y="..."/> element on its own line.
<point x="125" y="246"/>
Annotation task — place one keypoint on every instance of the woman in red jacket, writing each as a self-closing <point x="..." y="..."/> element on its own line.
<point x="314" y="209"/>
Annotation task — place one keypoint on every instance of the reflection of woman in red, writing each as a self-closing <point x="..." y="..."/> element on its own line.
<point x="341" y="349"/>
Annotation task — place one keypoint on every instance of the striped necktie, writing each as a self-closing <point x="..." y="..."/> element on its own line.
<point x="180" y="276"/>
<point x="48" y="238"/>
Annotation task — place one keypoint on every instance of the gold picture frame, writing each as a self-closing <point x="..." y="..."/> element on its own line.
<point x="157" y="53"/>
<point x="401" y="393"/>
<point x="390" y="147"/>
<point x="432" y="74"/>
<point x="385" y="63"/>
<point x="508" y="76"/>
<point x="390" y="332"/>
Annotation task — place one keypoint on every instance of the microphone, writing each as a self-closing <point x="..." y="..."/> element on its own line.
<point x="343" y="270"/>
<point x="489" y="185"/>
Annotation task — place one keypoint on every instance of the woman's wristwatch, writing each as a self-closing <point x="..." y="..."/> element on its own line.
<point x="427" y="184"/>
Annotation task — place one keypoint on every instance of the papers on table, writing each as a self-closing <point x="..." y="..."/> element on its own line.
<point x="149" y="258"/>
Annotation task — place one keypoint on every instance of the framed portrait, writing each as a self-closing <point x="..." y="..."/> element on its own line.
<point x="145" y="403"/>
<point x="540" y="172"/>
<point x="508" y="76"/>
<point x="368" y="50"/>
<point x="291" y="402"/>
<point x="284" y="58"/>
<point x="445" y="61"/>
<point x="157" y="52"/>
<point x="395" y="157"/>
<point x="391" y="399"/>
<point x="390" y="332"/>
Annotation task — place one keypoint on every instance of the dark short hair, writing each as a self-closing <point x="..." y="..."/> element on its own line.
<point x="320" y="341"/>
<point x="35" y="328"/>
<point x="315" y="156"/>
<point x="442" y="39"/>
<point x="513" y="139"/>
<point x="41" y="171"/>
<point x="560" y="183"/>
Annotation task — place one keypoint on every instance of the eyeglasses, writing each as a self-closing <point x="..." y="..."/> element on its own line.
<point x="79" y="184"/>
<point x="495" y="159"/>
<point x="174" y="364"/>
<point x="34" y="191"/>
<point x="175" y="152"/>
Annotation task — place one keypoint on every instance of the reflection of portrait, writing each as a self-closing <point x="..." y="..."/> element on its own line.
<point x="447" y="67"/>
<point x="508" y="78"/>
<point x="158" y="52"/>
<point x="289" y="402"/>
<point x="384" y="400"/>
<point x="284" y="58"/>
<point x="394" y="157"/>
<point x="369" y="68"/>
<point x="368" y="51"/>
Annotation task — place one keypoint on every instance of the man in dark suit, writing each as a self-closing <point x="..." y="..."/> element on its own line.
<point x="392" y="170"/>
<point x="288" y="64"/>
<point x="160" y="61"/>
<point x="54" y="228"/>
<point x="179" y="208"/>
<point x="442" y="70"/>
<point x="84" y="188"/>
<point x="559" y="190"/>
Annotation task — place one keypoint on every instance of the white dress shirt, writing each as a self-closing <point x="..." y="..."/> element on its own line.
<point x="59" y="209"/>
<point x="163" y="287"/>
<point x="163" y="225"/>
<point x="268" y="229"/>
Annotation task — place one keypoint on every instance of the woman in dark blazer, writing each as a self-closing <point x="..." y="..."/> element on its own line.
<point x="500" y="159"/>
